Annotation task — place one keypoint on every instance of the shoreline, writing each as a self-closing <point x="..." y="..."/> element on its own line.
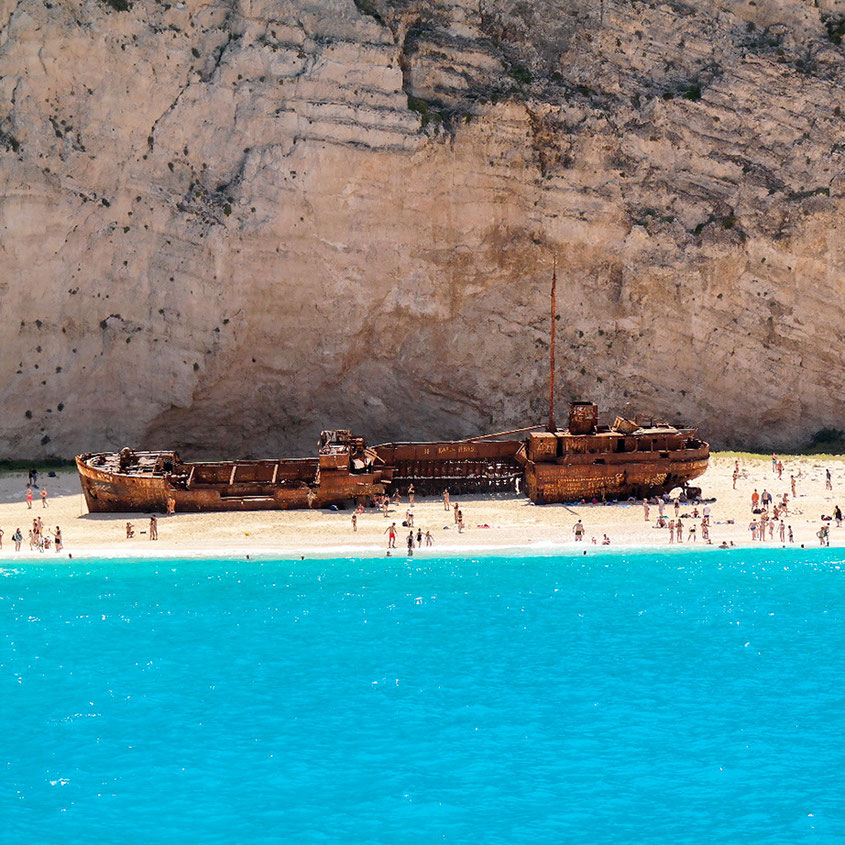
<point x="502" y="524"/>
<point x="106" y="554"/>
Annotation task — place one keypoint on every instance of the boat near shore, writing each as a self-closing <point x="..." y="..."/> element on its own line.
<point x="586" y="461"/>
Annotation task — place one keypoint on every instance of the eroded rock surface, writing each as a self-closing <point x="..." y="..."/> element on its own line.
<point x="225" y="225"/>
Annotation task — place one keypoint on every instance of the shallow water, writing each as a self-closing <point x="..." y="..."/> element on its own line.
<point x="638" y="698"/>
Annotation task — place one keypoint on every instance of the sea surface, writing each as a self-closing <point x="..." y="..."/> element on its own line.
<point x="610" y="698"/>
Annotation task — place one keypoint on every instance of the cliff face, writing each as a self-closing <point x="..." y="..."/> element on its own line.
<point x="225" y="225"/>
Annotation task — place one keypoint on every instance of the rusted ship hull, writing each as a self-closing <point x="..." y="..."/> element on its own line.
<point x="623" y="478"/>
<point x="462" y="467"/>
<point x="241" y="486"/>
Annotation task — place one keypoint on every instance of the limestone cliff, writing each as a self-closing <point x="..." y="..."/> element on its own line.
<point x="225" y="224"/>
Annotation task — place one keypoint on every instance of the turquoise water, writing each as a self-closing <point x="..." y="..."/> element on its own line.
<point x="644" y="698"/>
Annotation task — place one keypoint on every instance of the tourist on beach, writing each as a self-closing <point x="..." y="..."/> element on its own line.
<point x="384" y="503"/>
<point x="17" y="539"/>
<point x="705" y="531"/>
<point x="705" y="513"/>
<point x="774" y="462"/>
<point x="130" y="530"/>
<point x="429" y="540"/>
<point x="792" y="484"/>
<point x="752" y="527"/>
<point x="33" y="477"/>
<point x="645" y="509"/>
<point x="828" y="485"/>
<point x="679" y="531"/>
<point x="354" y="522"/>
<point x="411" y="543"/>
<point x="691" y="534"/>
<point x="411" y="495"/>
<point x="419" y="538"/>
<point x="766" y="499"/>
<point x="1" y="538"/>
<point x="837" y="515"/>
<point x="782" y="531"/>
<point x="154" y="527"/>
<point x="605" y="540"/>
<point x="780" y="470"/>
<point x="445" y="500"/>
<point x="771" y="529"/>
<point x="409" y="519"/>
<point x="57" y="538"/>
<point x="789" y="530"/>
<point x="171" y="505"/>
<point x="391" y="535"/>
<point x="29" y="497"/>
<point x="661" y="506"/>
<point x="735" y="476"/>
<point x="460" y="522"/>
<point x="755" y="500"/>
<point x="671" y="530"/>
<point x="455" y="512"/>
<point x="677" y="506"/>
<point x="43" y="497"/>
<point x="578" y="529"/>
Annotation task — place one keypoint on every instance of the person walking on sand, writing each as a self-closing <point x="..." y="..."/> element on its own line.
<point x="755" y="500"/>
<point x="679" y="531"/>
<point x="429" y="540"/>
<point x="419" y="538"/>
<point x="828" y="482"/>
<point x="57" y="540"/>
<point x="789" y="530"/>
<point x="780" y="470"/>
<point x="130" y="531"/>
<point x="782" y="531"/>
<point x="766" y="499"/>
<point x="354" y="522"/>
<point x="17" y="539"/>
<point x="411" y="543"/>
<point x="29" y="498"/>
<point x="735" y="476"/>
<point x="691" y="535"/>
<point x="792" y="484"/>
<point x="411" y="495"/>
<point x="645" y="509"/>
<point x="671" y="530"/>
<point x="774" y="462"/>
<point x="578" y="529"/>
<point x="43" y="497"/>
<point x="446" y="500"/>
<point x="154" y="527"/>
<point x="391" y="535"/>
<point x="460" y="522"/>
<point x="455" y="512"/>
<point x="677" y="506"/>
<point x="752" y="527"/>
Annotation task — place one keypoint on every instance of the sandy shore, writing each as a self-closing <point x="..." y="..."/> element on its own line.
<point x="492" y="522"/>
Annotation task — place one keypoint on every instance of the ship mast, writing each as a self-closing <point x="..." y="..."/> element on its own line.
<point x="552" y="427"/>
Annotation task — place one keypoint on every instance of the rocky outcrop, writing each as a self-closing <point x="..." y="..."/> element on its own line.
<point x="226" y="225"/>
